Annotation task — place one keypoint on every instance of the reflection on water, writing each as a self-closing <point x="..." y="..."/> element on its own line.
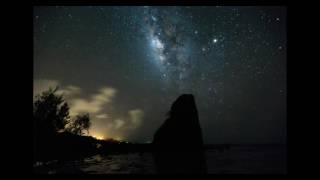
<point x="122" y="163"/>
<point x="239" y="159"/>
<point x="248" y="160"/>
<point x="102" y="164"/>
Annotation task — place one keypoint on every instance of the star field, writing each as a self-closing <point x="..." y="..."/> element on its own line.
<point x="233" y="59"/>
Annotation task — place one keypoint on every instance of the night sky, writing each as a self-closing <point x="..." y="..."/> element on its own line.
<point x="126" y="65"/>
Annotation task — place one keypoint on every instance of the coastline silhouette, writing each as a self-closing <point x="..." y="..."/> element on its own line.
<point x="178" y="143"/>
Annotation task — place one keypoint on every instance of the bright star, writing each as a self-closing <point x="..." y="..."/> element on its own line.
<point x="215" y="40"/>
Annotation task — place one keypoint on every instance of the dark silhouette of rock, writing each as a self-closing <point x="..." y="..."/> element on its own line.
<point x="178" y="142"/>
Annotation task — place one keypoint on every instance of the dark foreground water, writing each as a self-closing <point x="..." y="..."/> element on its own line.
<point x="237" y="159"/>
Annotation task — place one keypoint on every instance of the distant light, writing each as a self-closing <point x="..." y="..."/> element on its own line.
<point x="99" y="137"/>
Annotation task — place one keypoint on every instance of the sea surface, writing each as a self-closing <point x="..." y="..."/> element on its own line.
<point x="236" y="160"/>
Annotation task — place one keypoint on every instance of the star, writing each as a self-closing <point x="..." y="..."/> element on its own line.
<point x="153" y="18"/>
<point x="150" y="52"/>
<point x="215" y="40"/>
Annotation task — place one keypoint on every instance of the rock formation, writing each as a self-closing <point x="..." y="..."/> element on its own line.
<point x="178" y="142"/>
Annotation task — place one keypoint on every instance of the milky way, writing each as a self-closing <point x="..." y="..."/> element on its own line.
<point x="233" y="59"/>
<point x="166" y="29"/>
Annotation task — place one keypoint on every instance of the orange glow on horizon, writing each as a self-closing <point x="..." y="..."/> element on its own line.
<point x="101" y="137"/>
<point x="98" y="137"/>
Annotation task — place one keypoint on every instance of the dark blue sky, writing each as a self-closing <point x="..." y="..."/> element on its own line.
<point x="126" y="65"/>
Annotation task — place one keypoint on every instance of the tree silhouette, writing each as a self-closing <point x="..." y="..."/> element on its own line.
<point x="80" y="123"/>
<point x="51" y="112"/>
<point x="56" y="135"/>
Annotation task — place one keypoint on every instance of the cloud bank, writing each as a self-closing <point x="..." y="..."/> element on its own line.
<point x="104" y="123"/>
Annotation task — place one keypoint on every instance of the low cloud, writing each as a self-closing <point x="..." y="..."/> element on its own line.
<point x="136" y="116"/>
<point x="77" y="105"/>
<point x="41" y="85"/>
<point x="104" y="123"/>
<point x="94" y="104"/>
<point x="102" y="116"/>
<point x="69" y="91"/>
<point x="118" y="123"/>
<point x="119" y="127"/>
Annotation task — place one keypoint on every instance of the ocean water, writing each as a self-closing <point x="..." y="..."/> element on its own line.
<point x="248" y="160"/>
<point x="236" y="160"/>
